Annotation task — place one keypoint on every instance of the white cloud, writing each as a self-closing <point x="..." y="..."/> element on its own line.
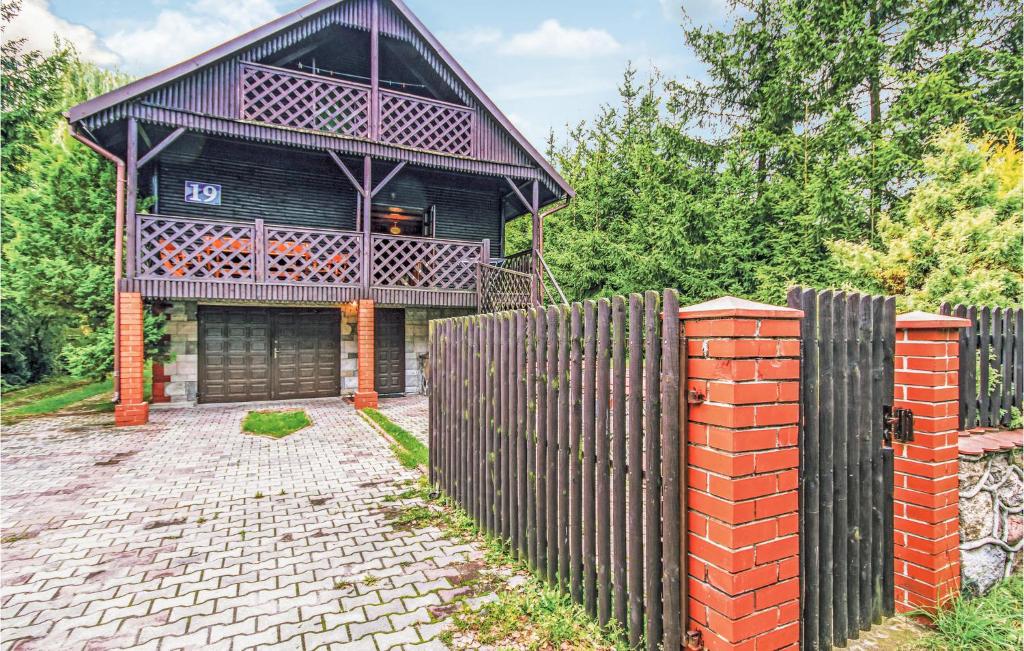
<point x="550" y="40"/>
<point x="178" y="34"/>
<point x="175" y="34"/>
<point x="37" y="24"/>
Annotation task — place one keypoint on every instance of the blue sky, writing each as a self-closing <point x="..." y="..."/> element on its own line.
<point x="545" y="63"/>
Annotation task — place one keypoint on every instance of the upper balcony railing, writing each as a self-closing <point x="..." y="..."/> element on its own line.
<point x="300" y="100"/>
<point x="194" y="249"/>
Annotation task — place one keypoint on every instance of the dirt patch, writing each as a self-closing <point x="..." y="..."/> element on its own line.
<point x="116" y="459"/>
<point x="159" y="524"/>
<point x="319" y="501"/>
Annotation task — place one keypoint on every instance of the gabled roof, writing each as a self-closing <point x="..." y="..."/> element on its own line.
<point x="146" y="84"/>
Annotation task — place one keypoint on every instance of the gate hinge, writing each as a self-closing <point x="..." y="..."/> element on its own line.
<point x="899" y="424"/>
<point x="694" y="397"/>
<point x="694" y="640"/>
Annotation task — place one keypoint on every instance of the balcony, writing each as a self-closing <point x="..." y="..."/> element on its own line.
<point x="179" y="257"/>
<point x="299" y="100"/>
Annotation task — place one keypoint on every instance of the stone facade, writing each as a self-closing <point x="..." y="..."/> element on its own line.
<point x="182" y="367"/>
<point x="349" y="352"/>
<point x="416" y="347"/>
<point x="417" y="342"/>
<point x="991" y="522"/>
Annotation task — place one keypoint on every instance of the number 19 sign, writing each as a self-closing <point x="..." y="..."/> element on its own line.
<point x="207" y="193"/>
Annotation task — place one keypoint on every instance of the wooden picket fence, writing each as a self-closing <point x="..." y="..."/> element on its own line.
<point x="558" y="430"/>
<point x="991" y="364"/>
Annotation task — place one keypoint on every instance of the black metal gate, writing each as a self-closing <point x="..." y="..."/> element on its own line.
<point x="846" y="465"/>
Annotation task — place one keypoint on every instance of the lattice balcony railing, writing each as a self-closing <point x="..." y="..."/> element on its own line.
<point x="295" y="99"/>
<point x="299" y="255"/>
<point x="422" y="123"/>
<point x="424" y="263"/>
<point x="502" y="289"/>
<point x="193" y="249"/>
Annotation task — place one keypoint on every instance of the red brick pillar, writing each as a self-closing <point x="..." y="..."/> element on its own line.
<point x="131" y="409"/>
<point x="926" y="494"/>
<point x="365" y="394"/>
<point x="743" y="539"/>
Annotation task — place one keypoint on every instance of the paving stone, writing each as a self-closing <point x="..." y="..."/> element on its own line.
<point x="120" y="558"/>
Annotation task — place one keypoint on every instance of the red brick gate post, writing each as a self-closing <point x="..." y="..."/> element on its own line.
<point x="365" y="394"/>
<point x="926" y="494"/>
<point x="131" y="409"/>
<point x="743" y="535"/>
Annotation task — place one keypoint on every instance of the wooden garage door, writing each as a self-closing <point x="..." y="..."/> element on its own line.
<point x="389" y="351"/>
<point x="267" y="353"/>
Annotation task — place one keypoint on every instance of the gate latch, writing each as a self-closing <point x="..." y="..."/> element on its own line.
<point x="899" y="424"/>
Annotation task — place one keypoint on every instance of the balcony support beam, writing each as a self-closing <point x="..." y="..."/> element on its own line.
<point x="160" y="146"/>
<point x="367" y="241"/>
<point x="375" y="70"/>
<point x="131" y="194"/>
<point x="348" y="174"/>
<point x="387" y="179"/>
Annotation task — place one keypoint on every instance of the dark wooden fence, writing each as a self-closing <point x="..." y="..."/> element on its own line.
<point x="558" y="429"/>
<point x="846" y="472"/>
<point x="991" y="364"/>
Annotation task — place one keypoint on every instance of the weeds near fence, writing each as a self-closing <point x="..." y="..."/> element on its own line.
<point x="530" y="615"/>
<point x="989" y="622"/>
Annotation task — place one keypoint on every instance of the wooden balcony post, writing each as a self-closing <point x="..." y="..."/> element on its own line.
<point x="131" y="196"/>
<point x="375" y="70"/>
<point x="537" y="236"/>
<point x="259" y="251"/>
<point x="367" y="193"/>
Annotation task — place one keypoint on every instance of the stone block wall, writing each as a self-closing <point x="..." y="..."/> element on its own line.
<point x="349" y="353"/>
<point x="991" y="522"/>
<point x="182" y="368"/>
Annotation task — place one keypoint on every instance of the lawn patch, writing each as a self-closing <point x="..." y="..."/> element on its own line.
<point x="410" y="452"/>
<point x="276" y="424"/>
<point x="49" y="397"/>
<point x="989" y="622"/>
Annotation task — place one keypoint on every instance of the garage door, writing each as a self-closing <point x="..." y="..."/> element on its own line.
<point x="267" y="353"/>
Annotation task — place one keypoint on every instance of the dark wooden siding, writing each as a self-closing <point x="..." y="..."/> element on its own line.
<point x="277" y="185"/>
<point x="286" y="187"/>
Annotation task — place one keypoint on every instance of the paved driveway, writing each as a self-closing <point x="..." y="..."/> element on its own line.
<point x="186" y="533"/>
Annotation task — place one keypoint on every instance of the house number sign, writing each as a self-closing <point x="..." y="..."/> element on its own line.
<point x="206" y="193"/>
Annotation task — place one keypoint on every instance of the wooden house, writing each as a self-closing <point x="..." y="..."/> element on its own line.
<point x="301" y="200"/>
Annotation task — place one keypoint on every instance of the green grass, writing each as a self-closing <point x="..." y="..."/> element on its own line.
<point x="533" y="615"/>
<point x="410" y="452"/>
<point x="57" y="395"/>
<point x="276" y="424"/>
<point x="990" y="622"/>
<point x="16" y="397"/>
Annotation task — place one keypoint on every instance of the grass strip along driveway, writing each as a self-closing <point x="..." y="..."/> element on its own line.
<point x="410" y="452"/>
<point x="49" y="397"/>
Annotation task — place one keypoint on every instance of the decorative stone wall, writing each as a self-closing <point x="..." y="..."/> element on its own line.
<point x="182" y="369"/>
<point x="991" y="518"/>
<point x="349" y="352"/>
<point x="417" y="341"/>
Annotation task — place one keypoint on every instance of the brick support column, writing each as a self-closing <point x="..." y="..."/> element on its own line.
<point x="365" y="394"/>
<point x="926" y="494"/>
<point x="131" y="409"/>
<point x="743" y="533"/>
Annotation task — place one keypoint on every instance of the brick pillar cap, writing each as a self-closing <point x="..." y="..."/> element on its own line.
<point x="730" y="306"/>
<point x="930" y="321"/>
